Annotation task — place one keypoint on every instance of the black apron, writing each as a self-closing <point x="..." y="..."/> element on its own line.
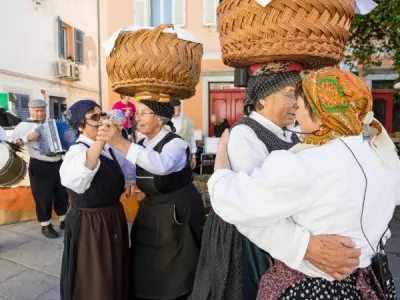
<point x="230" y="266"/>
<point x="96" y="242"/>
<point x="166" y="234"/>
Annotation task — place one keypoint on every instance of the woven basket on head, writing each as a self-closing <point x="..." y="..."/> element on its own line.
<point x="313" y="32"/>
<point x="150" y="60"/>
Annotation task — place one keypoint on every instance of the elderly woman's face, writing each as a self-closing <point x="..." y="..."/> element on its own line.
<point x="93" y="119"/>
<point x="307" y="123"/>
<point x="281" y="107"/>
<point x="148" y="123"/>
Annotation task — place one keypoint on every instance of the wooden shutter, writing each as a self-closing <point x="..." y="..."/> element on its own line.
<point x="78" y="44"/>
<point x="179" y="13"/>
<point x="22" y="106"/>
<point x="60" y="35"/>
<point x="210" y="12"/>
<point x="141" y="13"/>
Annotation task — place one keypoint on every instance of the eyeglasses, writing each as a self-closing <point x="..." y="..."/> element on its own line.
<point x="143" y="113"/>
<point x="290" y="95"/>
<point x="96" y="117"/>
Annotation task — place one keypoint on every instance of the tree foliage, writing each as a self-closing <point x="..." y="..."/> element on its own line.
<point x="376" y="35"/>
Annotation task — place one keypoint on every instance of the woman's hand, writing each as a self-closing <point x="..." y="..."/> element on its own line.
<point x="109" y="133"/>
<point x="222" y="159"/>
<point x="333" y="254"/>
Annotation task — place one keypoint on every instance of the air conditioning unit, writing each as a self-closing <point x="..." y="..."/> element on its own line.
<point x="61" y="68"/>
<point x="76" y="72"/>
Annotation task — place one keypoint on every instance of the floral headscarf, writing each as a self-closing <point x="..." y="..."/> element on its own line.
<point x="343" y="104"/>
<point x="341" y="101"/>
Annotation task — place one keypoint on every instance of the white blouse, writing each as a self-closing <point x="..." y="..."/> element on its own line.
<point x="320" y="188"/>
<point x="284" y="240"/>
<point x="74" y="174"/>
<point x="173" y="157"/>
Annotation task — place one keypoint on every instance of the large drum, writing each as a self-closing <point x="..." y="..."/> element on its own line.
<point x="12" y="167"/>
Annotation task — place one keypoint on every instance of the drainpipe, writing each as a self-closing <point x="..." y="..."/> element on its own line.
<point x="99" y="53"/>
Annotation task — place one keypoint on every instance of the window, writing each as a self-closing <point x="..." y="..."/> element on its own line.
<point x="70" y="42"/>
<point x="210" y="12"/>
<point x="57" y="107"/>
<point x="156" y="12"/>
<point x="20" y="105"/>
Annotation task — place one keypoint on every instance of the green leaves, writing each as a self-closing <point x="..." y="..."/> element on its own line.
<point x="376" y="36"/>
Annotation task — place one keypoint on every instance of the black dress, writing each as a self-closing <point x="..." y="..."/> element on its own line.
<point x="166" y="234"/>
<point x="230" y="266"/>
<point x="96" y="244"/>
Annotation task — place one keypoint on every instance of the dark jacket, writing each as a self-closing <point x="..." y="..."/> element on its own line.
<point x="219" y="129"/>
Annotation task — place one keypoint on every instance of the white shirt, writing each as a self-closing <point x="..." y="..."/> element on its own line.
<point x="178" y="126"/>
<point x="75" y="176"/>
<point x="244" y="143"/>
<point x="21" y="132"/>
<point x="284" y="240"/>
<point x="3" y="135"/>
<point x="321" y="188"/>
<point x="172" y="158"/>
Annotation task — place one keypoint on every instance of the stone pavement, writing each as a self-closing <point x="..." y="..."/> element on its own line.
<point x="30" y="263"/>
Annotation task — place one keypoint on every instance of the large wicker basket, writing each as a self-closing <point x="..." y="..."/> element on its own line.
<point x="313" y="32"/>
<point x="150" y="60"/>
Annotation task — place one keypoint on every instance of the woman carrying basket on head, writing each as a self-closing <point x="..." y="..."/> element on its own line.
<point x="324" y="185"/>
<point x="166" y="233"/>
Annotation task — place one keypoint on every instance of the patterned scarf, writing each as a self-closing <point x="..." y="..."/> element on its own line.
<point x="161" y="109"/>
<point x="341" y="101"/>
<point x="266" y="79"/>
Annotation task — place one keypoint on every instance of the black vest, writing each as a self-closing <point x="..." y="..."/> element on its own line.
<point x="151" y="184"/>
<point x="270" y="140"/>
<point x="106" y="187"/>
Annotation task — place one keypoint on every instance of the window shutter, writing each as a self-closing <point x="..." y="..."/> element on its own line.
<point x="22" y="107"/>
<point x="210" y="12"/>
<point x="60" y="35"/>
<point x="141" y="13"/>
<point x="179" y="13"/>
<point x="78" y="36"/>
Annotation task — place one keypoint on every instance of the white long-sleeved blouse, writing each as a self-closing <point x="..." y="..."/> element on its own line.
<point x="320" y="188"/>
<point x="75" y="176"/>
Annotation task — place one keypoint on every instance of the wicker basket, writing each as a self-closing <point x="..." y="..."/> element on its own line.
<point x="152" y="61"/>
<point x="313" y="32"/>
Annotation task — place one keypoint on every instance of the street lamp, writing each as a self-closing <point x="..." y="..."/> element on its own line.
<point x="397" y="86"/>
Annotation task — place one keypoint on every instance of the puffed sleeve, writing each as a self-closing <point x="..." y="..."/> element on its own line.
<point x="74" y="174"/>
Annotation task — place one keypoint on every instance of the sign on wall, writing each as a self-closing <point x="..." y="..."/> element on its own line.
<point x="4" y="100"/>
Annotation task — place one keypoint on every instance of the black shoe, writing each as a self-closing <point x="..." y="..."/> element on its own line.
<point x="62" y="225"/>
<point x="49" y="232"/>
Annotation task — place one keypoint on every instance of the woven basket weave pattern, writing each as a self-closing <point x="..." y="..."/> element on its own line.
<point x="150" y="60"/>
<point x="313" y="32"/>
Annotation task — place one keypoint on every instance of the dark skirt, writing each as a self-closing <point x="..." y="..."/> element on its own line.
<point x="283" y="283"/>
<point x="96" y="254"/>
<point x="219" y="274"/>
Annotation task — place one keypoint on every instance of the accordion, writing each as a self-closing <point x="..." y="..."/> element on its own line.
<point x="55" y="137"/>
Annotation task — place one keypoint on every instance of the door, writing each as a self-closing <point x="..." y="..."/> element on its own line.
<point x="57" y="107"/>
<point x="227" y="104"/>
<point x="383" y="107"/>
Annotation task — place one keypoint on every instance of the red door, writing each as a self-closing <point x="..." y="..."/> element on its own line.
<point x="228" y="104"/>
<point x="383" y="107"/>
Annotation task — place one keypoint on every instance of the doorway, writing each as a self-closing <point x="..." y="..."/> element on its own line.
<point x="227" y="104"/>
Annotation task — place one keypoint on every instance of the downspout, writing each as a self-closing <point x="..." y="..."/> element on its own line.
<point x="99" y="53"/>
